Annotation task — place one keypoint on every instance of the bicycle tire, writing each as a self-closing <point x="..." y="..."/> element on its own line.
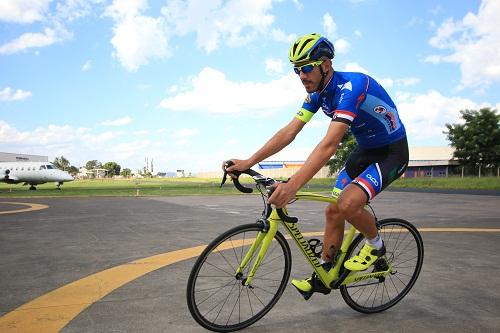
<point x="213" y="280"/>
<point x="405" y="253"/>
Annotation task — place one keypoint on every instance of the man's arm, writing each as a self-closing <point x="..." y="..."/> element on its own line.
<point x="316" y="160"/>
<point x="278" y="141"/>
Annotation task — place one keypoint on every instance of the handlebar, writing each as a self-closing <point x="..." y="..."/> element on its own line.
<point x="259" y="179"/>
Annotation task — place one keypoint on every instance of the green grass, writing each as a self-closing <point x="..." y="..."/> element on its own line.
<point x="198" y="186"/>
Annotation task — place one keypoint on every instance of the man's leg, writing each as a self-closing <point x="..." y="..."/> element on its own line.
<point x="351" y="205"/>
<point x="334" y="232"/>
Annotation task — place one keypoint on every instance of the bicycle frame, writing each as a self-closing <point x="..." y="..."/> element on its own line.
<point x="264" y="239"/>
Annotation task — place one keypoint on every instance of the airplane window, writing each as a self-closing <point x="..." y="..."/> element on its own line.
<point x="50" y="166"/>
<point x="22" y="169"/>
<point x="17" y="168"/>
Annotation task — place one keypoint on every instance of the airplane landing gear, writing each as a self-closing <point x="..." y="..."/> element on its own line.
<point x="32" y="188"/>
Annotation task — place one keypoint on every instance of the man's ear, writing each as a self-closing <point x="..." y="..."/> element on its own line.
<point x="327" y="65"/>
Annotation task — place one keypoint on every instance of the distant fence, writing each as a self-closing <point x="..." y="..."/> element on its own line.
<point x="273" y="173"/>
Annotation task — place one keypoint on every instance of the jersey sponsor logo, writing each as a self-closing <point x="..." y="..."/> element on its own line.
<point x="308" y="98"/>
<point x="391" y="121"/>
<point x="341" y="98"/>
<point x="380" y="109"/>
<point x="326" y="109"/>
<point x="372" y="179"/>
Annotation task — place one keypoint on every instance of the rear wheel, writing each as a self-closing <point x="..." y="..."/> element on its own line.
<point x="218" y="298"/>
<point x="405" y="254"/>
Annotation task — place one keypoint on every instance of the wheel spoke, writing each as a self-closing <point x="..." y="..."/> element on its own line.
<point x="218" y="298"/>
<point x="404" y="255"/>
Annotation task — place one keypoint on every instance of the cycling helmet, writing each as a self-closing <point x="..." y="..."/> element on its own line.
<point x="310" y="47"/>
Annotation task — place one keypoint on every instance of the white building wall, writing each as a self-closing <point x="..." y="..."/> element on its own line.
<point x="273" y="173"/>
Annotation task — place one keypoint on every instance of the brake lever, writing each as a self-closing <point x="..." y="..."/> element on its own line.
<point x="224" y="178"/>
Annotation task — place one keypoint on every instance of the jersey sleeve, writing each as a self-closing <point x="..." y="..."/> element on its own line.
<point x="352" y="95"/>
<point x="309" y="108"/>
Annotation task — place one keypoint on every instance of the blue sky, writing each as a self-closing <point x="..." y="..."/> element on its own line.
<point x="190" y="83"/>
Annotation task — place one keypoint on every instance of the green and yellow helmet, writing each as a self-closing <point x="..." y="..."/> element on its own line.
<point x="310" y="47"/>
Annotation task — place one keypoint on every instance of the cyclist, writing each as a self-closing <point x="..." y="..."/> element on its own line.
<point x="351" y="100"/>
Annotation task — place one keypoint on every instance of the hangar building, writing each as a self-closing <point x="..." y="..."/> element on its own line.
<point x="13" y="157"/>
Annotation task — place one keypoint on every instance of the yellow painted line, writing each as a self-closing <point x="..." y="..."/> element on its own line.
<point x="32" y="207"/>
<point x="51" y="312"/>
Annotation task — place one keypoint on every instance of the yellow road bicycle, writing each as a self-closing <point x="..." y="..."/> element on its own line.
<point x="243" y="272"/>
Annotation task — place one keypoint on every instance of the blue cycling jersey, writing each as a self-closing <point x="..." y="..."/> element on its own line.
<point x="359" y="101"/>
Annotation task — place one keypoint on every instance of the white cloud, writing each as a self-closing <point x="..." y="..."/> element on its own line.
<point x="358" y="33"/>
<point x="72" y="10"/>
<point x="236" y="21"/>
<point x="36" y="40"/>
<point x="355" y="67"/>
<point x="52" y="134"/>
<point x="385" y="82"/>
<point x="23" y="11"/>
<point x="87" y="66"/>
<point x="8" y="94"/>
<point x="54" y="22"/>
<point x="330" y="27"/>
<point x="474" y="43"/>
<point x="342" y="46"/>
<point x="274" y="66"/>
<point x="211" y="92"/>
<point x="425" y="115"/>
<point x="136" y="38"/>
<point x="280" y="36"/>
<point x="118" y="122"/>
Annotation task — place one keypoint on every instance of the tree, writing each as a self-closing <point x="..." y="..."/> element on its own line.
<point x="94" y="164"/>
<point x="346" y="146"/>
<point x="73" y="170"/>
<point x="61" y="163"/>
<point x="126" y="172"/>
<point x="477" y="141"/>
<point x="112" y="168"/>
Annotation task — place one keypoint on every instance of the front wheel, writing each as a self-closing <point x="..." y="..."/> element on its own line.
<point x="404" y="254"/>
<point x="218" y="298"/>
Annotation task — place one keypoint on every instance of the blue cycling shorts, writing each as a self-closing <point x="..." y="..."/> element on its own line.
<point x="374" y="169"/>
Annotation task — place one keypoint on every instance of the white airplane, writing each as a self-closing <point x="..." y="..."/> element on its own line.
<point x="32" y="173"/>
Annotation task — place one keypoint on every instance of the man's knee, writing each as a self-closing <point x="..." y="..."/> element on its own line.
<point x="349" y="206"/>
<point x="331" y="210"/>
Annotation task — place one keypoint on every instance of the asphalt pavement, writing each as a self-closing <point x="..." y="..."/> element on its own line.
<point x="121" y="264"/>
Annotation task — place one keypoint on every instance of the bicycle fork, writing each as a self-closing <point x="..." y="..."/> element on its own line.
<point x="263" y="240"/>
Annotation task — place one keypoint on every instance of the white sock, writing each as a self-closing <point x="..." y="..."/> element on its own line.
<point x="376" y="242"/>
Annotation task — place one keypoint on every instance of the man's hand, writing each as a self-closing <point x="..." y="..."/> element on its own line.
<point x="238" y="165"/>
<point x="282" y="195"/>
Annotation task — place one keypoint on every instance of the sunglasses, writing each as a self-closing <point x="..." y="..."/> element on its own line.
<point x="307" y="68"/>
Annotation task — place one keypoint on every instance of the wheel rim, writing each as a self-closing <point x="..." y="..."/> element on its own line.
<point x="405" y="256"/>
<point x="221" y="300"/>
